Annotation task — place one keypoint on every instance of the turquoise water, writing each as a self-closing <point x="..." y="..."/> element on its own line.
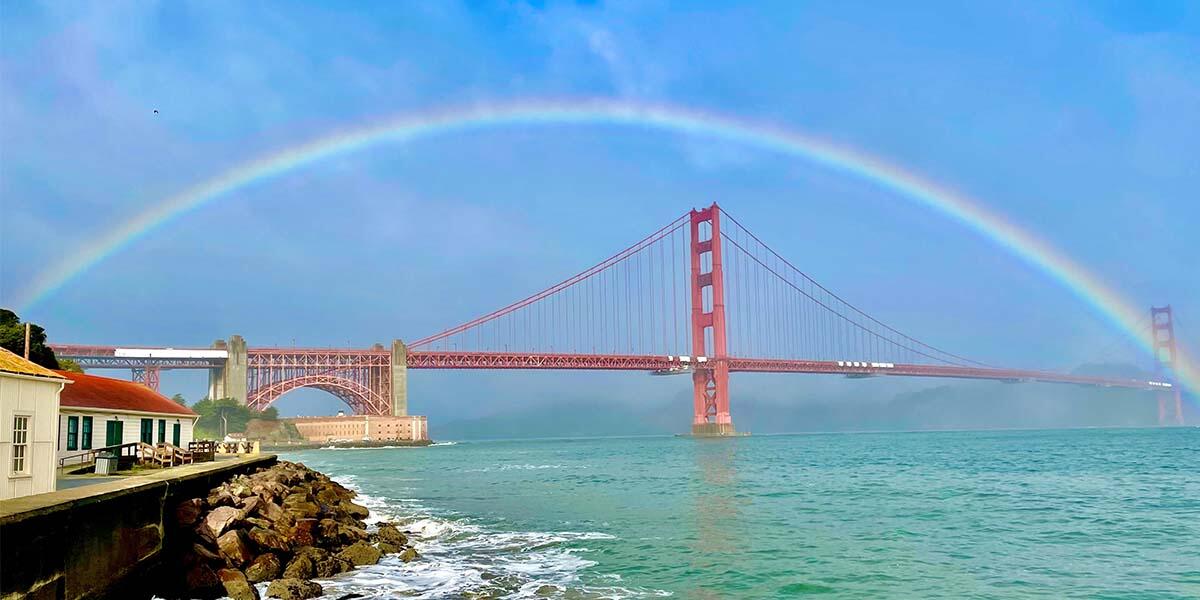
<point x="1013" y="514"/>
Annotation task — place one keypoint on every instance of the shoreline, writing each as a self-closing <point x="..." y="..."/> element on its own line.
<point x="277" y="447"/>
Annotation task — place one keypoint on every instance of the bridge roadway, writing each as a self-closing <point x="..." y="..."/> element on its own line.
<point x="205" y="358"/>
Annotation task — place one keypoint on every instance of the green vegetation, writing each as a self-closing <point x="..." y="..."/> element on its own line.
<point x="180" y="400"/>
<point x="67" y="364"/>
<point x="226" y="415"/>
<point x="12" y="338"/>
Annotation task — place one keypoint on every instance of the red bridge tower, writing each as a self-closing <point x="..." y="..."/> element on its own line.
<point x="710" y="380"/>
<point x="1162" y="335"/>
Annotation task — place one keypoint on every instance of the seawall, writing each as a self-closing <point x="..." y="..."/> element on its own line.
<point x="104" y="540"/>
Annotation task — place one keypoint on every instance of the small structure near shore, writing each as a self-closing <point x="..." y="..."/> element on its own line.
<point x="99" y="412"/>
<point x="363" y="428"/>
<point x="29" y="396"/>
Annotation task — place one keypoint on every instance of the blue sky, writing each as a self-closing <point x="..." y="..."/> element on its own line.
<point x="1078" y="121"/>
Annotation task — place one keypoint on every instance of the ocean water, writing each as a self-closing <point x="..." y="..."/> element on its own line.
<point x="1010" y="514"/>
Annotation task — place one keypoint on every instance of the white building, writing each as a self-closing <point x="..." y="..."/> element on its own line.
<point x="97" y="412"/>
<point x="29" y="396"/>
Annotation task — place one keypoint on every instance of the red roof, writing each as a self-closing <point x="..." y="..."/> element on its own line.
<point x="91" y="391"/>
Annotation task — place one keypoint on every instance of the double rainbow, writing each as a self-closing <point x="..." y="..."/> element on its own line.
<point x="406" y="128"/>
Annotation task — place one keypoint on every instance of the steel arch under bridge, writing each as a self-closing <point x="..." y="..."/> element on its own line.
<point x="360" y="378"/>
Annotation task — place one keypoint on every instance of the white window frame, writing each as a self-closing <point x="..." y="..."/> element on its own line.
<point x="25" y="446"/>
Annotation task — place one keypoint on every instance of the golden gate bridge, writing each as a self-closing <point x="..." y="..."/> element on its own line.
<point x="701" y="297"/>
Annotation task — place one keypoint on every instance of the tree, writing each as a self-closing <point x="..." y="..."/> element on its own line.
<point x="226" y="415"/>
<point x="12" y="338"/>
<point x="67" y="364"/>
<point x="179" y="399"/>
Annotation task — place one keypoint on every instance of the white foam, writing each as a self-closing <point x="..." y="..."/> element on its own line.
<point x="459" y="557"/>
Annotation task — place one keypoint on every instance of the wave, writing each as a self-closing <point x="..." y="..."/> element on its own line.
<point x="460" y="558"/>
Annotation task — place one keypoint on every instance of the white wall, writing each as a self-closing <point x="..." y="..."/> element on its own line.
<point x="131" y="428"/>
<point x="37" y="398"/>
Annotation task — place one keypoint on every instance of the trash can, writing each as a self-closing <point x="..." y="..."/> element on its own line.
<point x="106" y="464"/>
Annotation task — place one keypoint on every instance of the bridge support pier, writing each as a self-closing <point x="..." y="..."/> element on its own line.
<point x="710" y="381"/>
<point x="229" y="381"/>
<point x="399" y="379"/>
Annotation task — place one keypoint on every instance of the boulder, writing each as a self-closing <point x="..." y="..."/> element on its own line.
<point x="188" y="512"/>
<point x="201" y="551"/>
<point x="249" y="505"/>
<point x="387" y="548"/>
<point x="303" y="533"/>
<point x="234" y="547"/>
<point x="236" y="586"/>
<point x="220" y="518"/>
<point x="409" y="554"/>
<point x="293" y="589"/>
<point x="355" y="510"/>
<point x="301" y="567"/>
<point x="388" y="533"/>
<point x="360" y="553"/>
<point x="202" y="580"/>
<point x="266" y="539"/>
<point x="264" y="568"/>
<point x="330" y="566"/>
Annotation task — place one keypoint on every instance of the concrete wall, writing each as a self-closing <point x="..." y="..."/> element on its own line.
<point x="362" y="428"/>
<point x="108" y="540"/>
<point x="399" y="379"/>
<point x="36" y="398"/>
<point x="131" y="427"/>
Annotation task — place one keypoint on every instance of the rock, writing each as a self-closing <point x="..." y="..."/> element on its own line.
<point x="354" y="510"/>
<point x="234" y="547"/>
<point x="304" y="532"/>
<point x="268" y="540"/>
<point x="201" y="551"/>
<point x="388" y="533"/>
<point x="301" y="567"/>
<point x="330" y="566"/>
<point x="259" y="522"/>
<point x="249" y="505"/>
<point x="188" y="512"/>
<point x="387" y="548"/>
<point x="202" y="580"/>
<point x="264" y="568"/>
<point x="236" y="586"/>
<point x="360" y="553"/>
<point x="545" y="591"/>
<point x="221" y="518"/>
<point x="293" y="589"/>
<point x="301" y="508"/>
<point x="409" y="554"/>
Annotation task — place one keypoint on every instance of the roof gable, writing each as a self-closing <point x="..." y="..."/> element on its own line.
<point x="12" y="363"/>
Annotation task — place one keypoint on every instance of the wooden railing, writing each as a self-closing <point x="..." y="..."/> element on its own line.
<point x="163" y="454"/>
<point x="130" y="452"/>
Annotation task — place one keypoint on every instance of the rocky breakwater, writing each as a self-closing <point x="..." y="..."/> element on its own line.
<point x="285" y="525"/>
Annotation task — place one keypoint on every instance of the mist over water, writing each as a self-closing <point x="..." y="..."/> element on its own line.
<point x="1010" y="514"/>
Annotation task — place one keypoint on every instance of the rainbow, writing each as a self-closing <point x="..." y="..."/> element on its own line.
<point x="411" y="127"/>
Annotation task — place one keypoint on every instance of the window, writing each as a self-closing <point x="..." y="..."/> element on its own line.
<point x="148" y="431"/>
<point x="162" y="431"/>
<point x="114" y="433"/>
<point x="72" y="433"/>
<point x="87" y="434"/>
<point x="175" y="434"/>
<point x="20" y="444"/>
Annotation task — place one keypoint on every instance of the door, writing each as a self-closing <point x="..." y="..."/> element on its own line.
<point x="175" y="434"/>
<point x="148" y="431"/>
<point x="162" y="431"/>
<point x="113" y="432"/>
